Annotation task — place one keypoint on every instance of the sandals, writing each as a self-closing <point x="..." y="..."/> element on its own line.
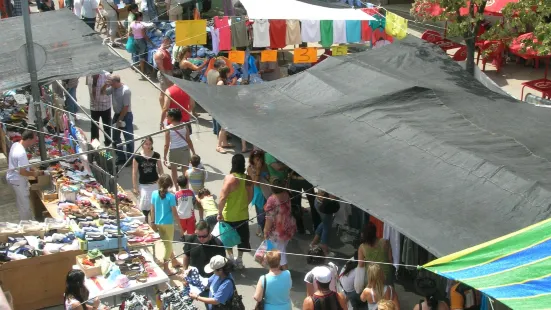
<point x="221" y="150"/>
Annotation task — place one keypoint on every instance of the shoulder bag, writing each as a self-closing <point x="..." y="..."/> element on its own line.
<point x="235" y="302"/>
<point x="260" y="304"/>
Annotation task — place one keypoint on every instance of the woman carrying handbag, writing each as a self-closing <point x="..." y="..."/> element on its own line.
<point x="280" y="282"/>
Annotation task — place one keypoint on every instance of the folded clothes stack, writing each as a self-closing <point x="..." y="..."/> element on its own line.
<point x="22" y="247"/>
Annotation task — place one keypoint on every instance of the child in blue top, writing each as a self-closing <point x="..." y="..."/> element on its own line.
<point x="163" y="213"/>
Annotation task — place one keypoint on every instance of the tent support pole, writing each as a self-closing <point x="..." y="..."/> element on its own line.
<point x="31" y="65"/>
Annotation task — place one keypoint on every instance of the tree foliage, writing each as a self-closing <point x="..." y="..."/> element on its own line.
<point x="463" y="19"/>
<point x="526" y="16"/>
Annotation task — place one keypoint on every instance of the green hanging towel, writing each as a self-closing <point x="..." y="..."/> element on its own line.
<point x="326" y="29"/>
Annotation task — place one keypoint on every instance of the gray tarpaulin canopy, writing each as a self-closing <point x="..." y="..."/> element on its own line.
<point x="72" y="49"/>
<point x="406" y="134"/>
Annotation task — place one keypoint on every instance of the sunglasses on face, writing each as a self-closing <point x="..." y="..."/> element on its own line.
<point x="202" y="236"/>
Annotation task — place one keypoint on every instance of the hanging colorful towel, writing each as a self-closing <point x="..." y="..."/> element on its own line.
<point x="396" y="26"/>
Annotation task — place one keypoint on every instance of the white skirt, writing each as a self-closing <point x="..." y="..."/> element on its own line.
<point x="145" y="195"/>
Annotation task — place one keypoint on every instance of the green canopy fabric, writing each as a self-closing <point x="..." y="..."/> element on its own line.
<point x="514" y="269"/>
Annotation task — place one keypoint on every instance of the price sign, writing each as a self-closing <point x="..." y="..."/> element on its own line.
<point x="305" y="55"/>
<point x="268" y="56"/>
<point x="339" y="50"/>
<point x="237" y="57"/>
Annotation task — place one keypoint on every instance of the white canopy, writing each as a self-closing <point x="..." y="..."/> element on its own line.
<point x="293" y="9"/>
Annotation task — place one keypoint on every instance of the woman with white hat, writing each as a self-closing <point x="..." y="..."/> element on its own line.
<point x="221" y="285"/>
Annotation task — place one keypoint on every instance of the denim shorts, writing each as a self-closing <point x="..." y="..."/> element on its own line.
<point x="141" y="48"/>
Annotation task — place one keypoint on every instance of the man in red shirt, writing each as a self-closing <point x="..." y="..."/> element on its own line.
<point x="181" y="101"/>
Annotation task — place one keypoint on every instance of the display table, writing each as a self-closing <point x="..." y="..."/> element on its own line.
<point x="108" y="290"/>
<point x="37" y="282"/>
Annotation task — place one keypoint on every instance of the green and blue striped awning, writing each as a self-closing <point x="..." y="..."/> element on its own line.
<point x="514" y="269"/>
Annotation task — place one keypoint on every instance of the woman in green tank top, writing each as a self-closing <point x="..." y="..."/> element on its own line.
<point x="375" y="250"/>
<point x="235" y="197"/>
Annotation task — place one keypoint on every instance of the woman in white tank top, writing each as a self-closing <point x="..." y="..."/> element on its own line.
<point x="179" y="143"/>
<point x="376" y="290"/>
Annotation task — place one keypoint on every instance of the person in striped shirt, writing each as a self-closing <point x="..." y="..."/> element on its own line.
<point x="196" y="174"/>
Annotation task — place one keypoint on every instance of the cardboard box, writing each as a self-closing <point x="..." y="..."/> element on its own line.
<point x="42" y="181"/>
<point x="89" y="271"/>
<point x="114" y="242"/>
<point x="106" y="244"/>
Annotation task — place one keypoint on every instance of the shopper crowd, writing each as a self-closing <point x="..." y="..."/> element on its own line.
<point x="170" y="200"/>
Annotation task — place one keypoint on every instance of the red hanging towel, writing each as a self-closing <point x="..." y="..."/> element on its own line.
<point x="366" y="31"/>
<point x="278" y="33"/>
<point x="225" y="32"/>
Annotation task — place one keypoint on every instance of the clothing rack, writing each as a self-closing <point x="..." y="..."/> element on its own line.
<point x="318" y="48"/>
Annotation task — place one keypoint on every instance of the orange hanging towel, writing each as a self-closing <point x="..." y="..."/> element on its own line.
<point x="196" y="14"/>
<point x="379" y="224"/>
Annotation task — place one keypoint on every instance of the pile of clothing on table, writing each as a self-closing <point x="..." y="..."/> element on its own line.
<point x="136" y="302"/>
<point x="31" y="239"/>
<point x="175" y="299"/>
<point x="14" y="115"/>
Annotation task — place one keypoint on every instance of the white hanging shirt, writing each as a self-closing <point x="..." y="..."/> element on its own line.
<point x="310" y="30"/>
<point x="339" y="31"/>
<point x="261" y="33"/>
<point x="293" y="36"/>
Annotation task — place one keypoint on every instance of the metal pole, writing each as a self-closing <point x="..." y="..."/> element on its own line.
<point x="31" y="64"/>
<point x="115" y="192"/>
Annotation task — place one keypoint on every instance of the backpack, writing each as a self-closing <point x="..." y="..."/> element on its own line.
<point x="235" y="302"/>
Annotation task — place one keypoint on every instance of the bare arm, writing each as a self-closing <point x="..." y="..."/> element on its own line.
<point x="279" y="166"/>
<point x="152" y="224"/>
<point x="32" y="172"/>
<point x="250" y="189"/>
<point x="167" y="145"/>
<point x="259" y="290"/>
<point x="342" y="301"/>
<point x="224" y="192"/>
<point x="186" y="262"/>
<point x="365" y="294"/>
<point x="310" y="289"/>
<point x="189" y="143"/>
<point x="135" y="175"/>
<point x="123" y="113"/>
<point x="308" y="304"/>
<point x="159" y="167"/>
<point x="267" y="226"/>
<point x="165" y="110"/>
<point x="186" y="64"/>
<point x="361" y="262"/>
<point x="176" y="216"/>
